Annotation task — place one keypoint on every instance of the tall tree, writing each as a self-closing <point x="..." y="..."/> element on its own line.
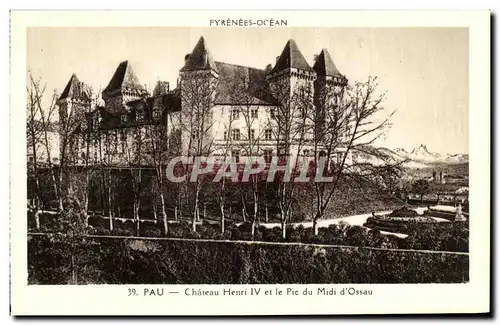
<point x="290" y="133"/>
<point x="347" y="122"/>
<point x="160" y="146"/>
<point x="196" y="121"/>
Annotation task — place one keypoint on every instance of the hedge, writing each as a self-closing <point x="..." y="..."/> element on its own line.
<point x="53" y="260"/>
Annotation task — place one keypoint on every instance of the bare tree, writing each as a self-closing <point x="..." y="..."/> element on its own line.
<point x="347" y="121"/>
<point x="34" y="133"/>
<point x="89" y="136"/>
<point x="159" y="137"/>
<point x="134" y="144"/>
<point x="226" y="147"/>
<point x="290" y="135"/>
<point x="43" y="118"/>
<point x="248" y="106"/>
<point x="196" y="121"/>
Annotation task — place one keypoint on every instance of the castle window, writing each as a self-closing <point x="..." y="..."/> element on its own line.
<point x="235" y="113"/>
<point x="306" y="152"/>
<point x="195" y="134"/>
<point x="283" y="154"/>
<point x="254" y="113"/>
<point x="268" y="153"/>
<point x="225" y="135"/>
<point x="235" y="134"/>
<point x="268" y="134"/>
<point x="252" y="134"/>
<point x="236" y="155"/>
<point x="124" y="118"/>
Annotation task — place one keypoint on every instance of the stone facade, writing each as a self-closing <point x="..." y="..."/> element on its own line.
<point x="217" y="109"/>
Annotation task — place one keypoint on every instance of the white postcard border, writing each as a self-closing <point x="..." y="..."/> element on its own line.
<point x="472" y="297"/>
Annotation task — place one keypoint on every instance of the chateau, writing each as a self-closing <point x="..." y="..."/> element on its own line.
<point x="216" y="108"/>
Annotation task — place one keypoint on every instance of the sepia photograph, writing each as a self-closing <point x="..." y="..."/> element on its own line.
<point x="247" y="152"/>
<point x="327" y="147"/>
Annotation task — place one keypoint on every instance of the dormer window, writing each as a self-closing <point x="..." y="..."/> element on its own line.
<point x="157" y="112"/>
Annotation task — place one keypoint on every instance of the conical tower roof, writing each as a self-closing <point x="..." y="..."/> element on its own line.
<point x="200" y="58"/>
<point x="324" y="65"/>
<point x="124" y="77"/>
<point x="74" y="89"/>
<point x="291" y="57"/>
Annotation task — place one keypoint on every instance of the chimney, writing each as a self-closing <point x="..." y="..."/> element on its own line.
<point x="315" y="58"/>
<point x="186" y="57"/>
<point x="269" y="67"/>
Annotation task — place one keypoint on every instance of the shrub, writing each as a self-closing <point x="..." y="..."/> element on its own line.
<point x="272" y="234"/>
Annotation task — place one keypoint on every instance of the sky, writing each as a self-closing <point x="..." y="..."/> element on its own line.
<point x="424" y="71"/>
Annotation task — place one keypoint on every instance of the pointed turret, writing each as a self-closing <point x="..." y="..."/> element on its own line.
<point x="74" y="102"/>
<point x="200" y="58"/>
<point x="124" y="78"/>
<point x="75" y="89"/>
<point x="291" y="57"/>
<point x="324" y="65"/>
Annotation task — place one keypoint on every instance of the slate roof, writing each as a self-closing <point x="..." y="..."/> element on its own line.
<point x="200" y="58"/>
<point x="324" y="65"/>
<point x="74" y="89"/>
<point x="291" y="57"/>
<point x="242" y="85"/>
<point x="124" y="77"/>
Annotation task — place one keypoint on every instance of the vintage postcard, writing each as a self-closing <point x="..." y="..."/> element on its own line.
<point x="250" y="162"/>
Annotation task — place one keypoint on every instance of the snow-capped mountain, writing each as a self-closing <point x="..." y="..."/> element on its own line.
<point x="422" y="155"/>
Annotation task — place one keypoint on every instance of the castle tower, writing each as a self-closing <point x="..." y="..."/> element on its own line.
<point x="74" y="102"/>
<point x="291" y="84"/>
<point x="123" y="87"/>
<point x="291" y="76"/>
<point x="198" y="80"/>
<point x="329" y="81"/>
<point x="328" y="86"/>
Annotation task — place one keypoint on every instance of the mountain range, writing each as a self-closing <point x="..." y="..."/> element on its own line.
<point x="421" y="157"/>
